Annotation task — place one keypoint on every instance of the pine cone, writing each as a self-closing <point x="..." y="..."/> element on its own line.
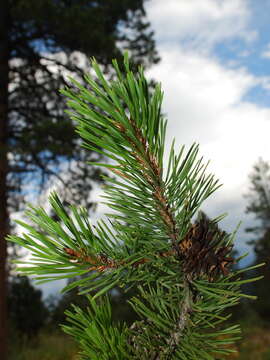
<point x="202" y="253"/>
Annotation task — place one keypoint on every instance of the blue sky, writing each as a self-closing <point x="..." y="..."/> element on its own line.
<point x="215" y="73"/>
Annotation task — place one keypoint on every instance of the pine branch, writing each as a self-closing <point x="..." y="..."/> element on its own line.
<point x="153" y="175"/>
<point x="183" y="269"/>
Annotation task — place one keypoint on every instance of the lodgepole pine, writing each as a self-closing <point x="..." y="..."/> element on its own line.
<point x="182" y="269"/>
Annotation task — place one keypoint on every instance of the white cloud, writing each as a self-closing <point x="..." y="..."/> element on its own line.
<point x="204" y="103"/>
<point x="266" y="53"/>
<point x="198" y="92"/>
<point x="200" y="24"/>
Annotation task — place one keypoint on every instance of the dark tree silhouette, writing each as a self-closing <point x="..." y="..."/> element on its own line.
<point x="27" y="312"/>
<point x="259" y="205"/>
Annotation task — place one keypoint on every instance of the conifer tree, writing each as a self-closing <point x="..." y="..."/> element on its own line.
<point x="182" y="270"/>
<point x="259" y="206"/>
<point x="259" y="201"/>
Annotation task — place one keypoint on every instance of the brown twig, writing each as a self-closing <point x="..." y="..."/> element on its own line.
<point x="149" y="165"/>
<point x="102" y="262"/>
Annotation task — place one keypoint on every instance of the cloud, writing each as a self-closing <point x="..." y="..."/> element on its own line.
<point x="204" y="103"/>
<point x="200" y="24"/>
<point x="199" y="93"/>
<point x="204" y="98"/>
<point x="266" y="53"/>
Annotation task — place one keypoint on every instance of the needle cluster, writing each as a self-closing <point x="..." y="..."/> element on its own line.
<point x="182" y="269"/>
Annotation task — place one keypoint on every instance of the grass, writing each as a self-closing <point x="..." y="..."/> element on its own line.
<point x="255" y="345"/>
<point x="52" y="345"/>
<point x="255" y="342"/>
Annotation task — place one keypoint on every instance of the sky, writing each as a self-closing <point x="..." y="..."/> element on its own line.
<point x="215" y="73"/>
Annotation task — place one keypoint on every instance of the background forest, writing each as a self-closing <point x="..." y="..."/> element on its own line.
<point x="41" y="43"/>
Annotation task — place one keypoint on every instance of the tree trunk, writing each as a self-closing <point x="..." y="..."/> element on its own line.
<point x="4" y="56"/>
